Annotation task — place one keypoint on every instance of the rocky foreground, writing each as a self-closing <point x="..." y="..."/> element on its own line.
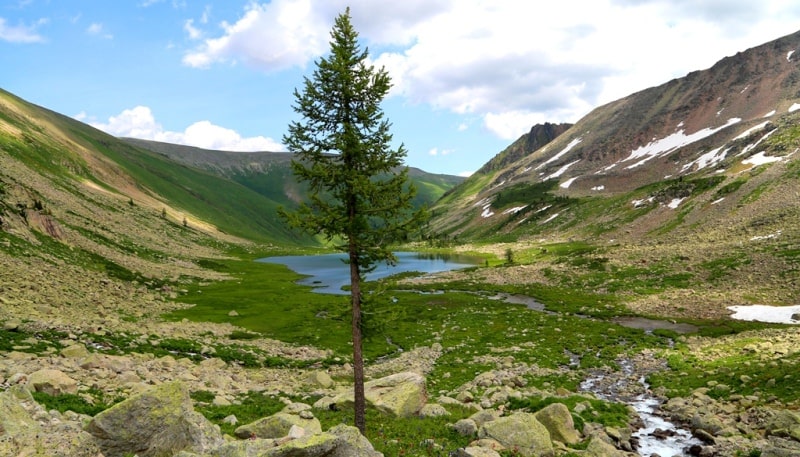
<point x="157" y="417"/>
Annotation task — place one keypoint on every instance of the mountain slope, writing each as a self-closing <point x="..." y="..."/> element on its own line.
<point x="694" y="138"/>
<point x="70" y="191"/>
<point x="270" y="173"/>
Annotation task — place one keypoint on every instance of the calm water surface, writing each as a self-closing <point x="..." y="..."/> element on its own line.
<point x="327" y="273"/>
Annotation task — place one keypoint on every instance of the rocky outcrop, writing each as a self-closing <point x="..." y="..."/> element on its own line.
<point x="158" y="422"/>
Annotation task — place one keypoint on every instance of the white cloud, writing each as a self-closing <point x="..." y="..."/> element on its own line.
<point x="20" y="33"/>
<point x="193" y="32"/>
<point x="440" y="152"/>
<point x="270" y="37"/>
<point x="511" y="125"/>
<point x="97" y="29"/>
<point x="139" y="122"/>
<point x="508" y="62"/>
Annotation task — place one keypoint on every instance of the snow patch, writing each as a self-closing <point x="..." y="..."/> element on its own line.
<point x="789" y="55"/>
<point x="567" y="183"/>
<point x="747" y="132"/>
<point x="598" y="188"/>
<point x="771" y="113"/>
<point x="766" y="313"/>
<point x="766" y="237"/>
<point x="717" y="201"/>
<point x="675" y="202"/>
<point x="760" y="159"/>
<point x="561" y="170"/>
<point x="672" y="142"/>
<point x="550" y="218"/>
<point x="514" y="210"/>
<point x="642" y="202"/>
<point x="571" y="145"/>
<point x="745" y="88"/>
<point x="794" y="107"/>
<point x="710" y="158"/>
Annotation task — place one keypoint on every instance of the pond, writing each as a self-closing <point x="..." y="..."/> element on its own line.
<point x="328" y="273"/>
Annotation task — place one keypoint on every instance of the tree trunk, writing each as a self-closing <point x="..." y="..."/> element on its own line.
<point x="358" y="359"/>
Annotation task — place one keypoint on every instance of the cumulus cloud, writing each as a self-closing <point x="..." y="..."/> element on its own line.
<point x="21" y="33"/>
<point x="139" y="122"/>
<point x="507" y="62"/>
<point x="271" y="36"/>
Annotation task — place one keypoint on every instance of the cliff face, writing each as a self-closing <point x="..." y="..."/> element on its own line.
<point x="539" y="136"/>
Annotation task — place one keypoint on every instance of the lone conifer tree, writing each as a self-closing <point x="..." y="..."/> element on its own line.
<point x="358" y="198"/>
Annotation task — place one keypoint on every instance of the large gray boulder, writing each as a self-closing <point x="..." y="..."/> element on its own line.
<point x="598" y="447"/>
<point x="558" y="421"/>
<point x="278" y="426"/>
<point x="159" y="422"/>
<point x="14" y="418"/>
<point x="522" y="432"/>
<point x="401" y="395"/>
<point x="352" y="443"/>
<point x="52" y="382"/>
<point x="26" y="429"/>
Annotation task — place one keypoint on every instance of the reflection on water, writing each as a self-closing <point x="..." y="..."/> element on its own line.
<point x="328" y="273"/>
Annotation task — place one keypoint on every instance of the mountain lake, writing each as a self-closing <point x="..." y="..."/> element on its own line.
<point x="327" y="273"/>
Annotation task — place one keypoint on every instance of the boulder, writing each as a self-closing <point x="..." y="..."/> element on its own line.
<point x="14" y="419"/>
<point x="785" y="424"/>
<point x="474" y="451"/>
<point x="558" y="421"/>
<point x="466" y="427"/>
<point x="781" y="447"/>
<point x="320" y="379"/>
<point x="278" y="426"/>
<point x="487" y="415"/>
<point x="52" y="382"/>
<point x="401" y="395"/>
<point x="76" y="351"/>
<point x="319" y="445"/>
<point x="352" y="443"/>
<point x="26" y="429"/>
<point x="158" y="422"/>
<point x="433" y="410"/>
<point x="600" y="448"/>
<point x="522" y="432"/>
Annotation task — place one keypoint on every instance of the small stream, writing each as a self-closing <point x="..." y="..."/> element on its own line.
<point x="657" y="436"/>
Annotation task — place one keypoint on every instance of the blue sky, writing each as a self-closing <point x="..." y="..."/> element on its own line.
<point x="470" y="76"/>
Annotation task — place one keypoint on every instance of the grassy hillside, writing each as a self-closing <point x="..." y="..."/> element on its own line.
<point x="269" y="173"/>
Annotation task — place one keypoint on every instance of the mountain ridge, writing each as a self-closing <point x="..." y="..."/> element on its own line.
<point x="707" y="124"/>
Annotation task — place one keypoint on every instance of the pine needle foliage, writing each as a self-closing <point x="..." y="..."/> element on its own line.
<point x="360" y="198"/>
